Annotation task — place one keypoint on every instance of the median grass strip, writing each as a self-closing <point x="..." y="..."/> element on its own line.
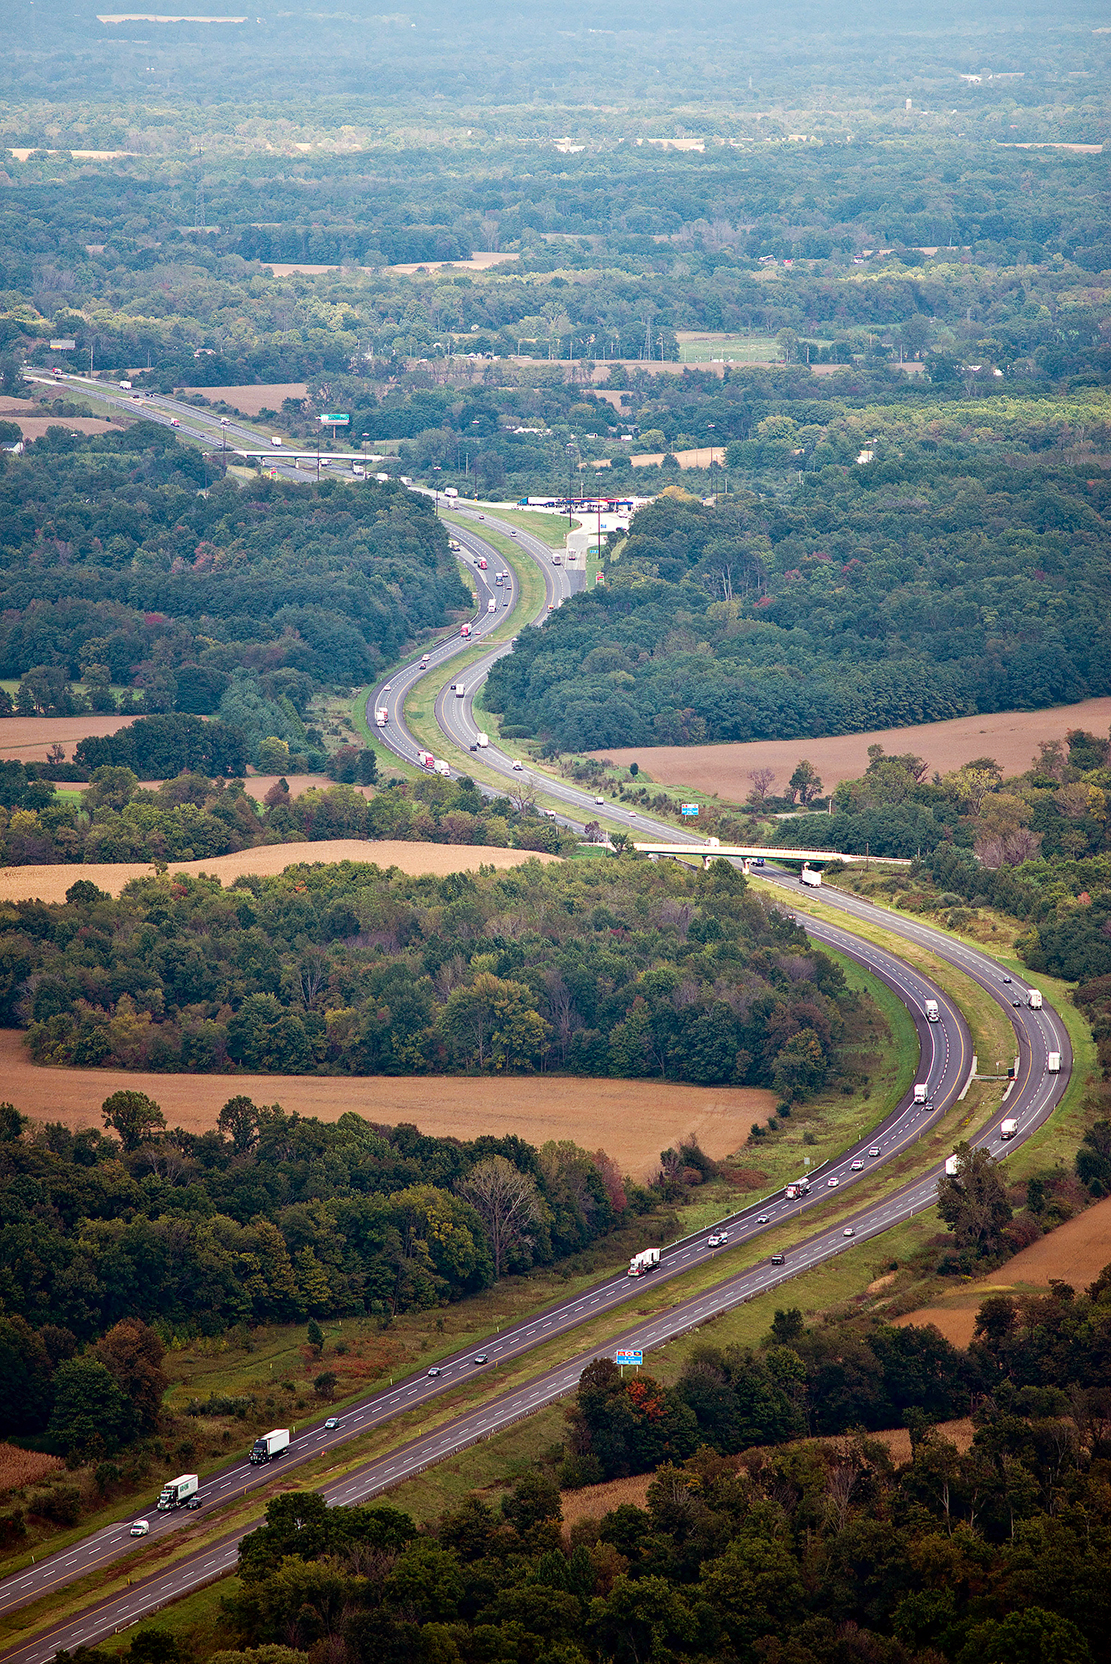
<point x="530" y="579"/>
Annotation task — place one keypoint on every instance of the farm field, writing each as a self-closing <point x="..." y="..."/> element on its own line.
<point x="1011" y="737"/>
<point x="27" y="739"/>
<point x="251" y="399"/>
<point x="51" y="883"/>
<point x="633" y="1120"/>
<point x="1075" y="1252"/>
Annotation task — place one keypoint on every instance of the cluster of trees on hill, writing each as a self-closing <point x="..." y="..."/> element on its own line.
<point x="619" y="968"/>
<point x="192" y="817"/>
<point x="813" y="1553"/>
<point x="270" y="1218"/>
<point x="116" y="567"/>
<point x="897" y="593"/>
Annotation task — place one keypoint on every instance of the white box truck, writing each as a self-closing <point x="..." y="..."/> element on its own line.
<point x="647" y="1260"/>
<point x="1053" y="1063"/>
<point x="442" y="768"/>
<point x="932" y="1014"/>
<point x="176" y="1492"/>
<point x="1008" y="1129"/>
<point x="811" y="877"/>
<point x="951" y="1165"/>
<point x="381" y="716"/>
<point x="270" y="1446"/>
<point x="483" y="740"/>
<point x="491" y="605"/>
<point x="1034" y="999"/>
<point x="276" y="442"/>
<point x="921" y="1092"/>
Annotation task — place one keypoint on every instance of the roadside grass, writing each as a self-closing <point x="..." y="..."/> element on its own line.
<point x="530" y="579"/>
<point x="551" y="529"/>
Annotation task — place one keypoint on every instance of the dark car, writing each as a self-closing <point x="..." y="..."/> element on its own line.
<point x="481" y="1358"/>
<point x="193" y="1504"/>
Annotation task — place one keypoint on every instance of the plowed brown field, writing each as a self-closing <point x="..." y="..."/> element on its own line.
<point x="1075" y="1252"/>
<point x="51" y="883"/>
<point x="28" y="738"/>
<point x="1011" y="737"/>
<point x="632" y="1120"/>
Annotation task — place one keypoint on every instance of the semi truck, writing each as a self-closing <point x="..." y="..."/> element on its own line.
<point x="921" y="1092"/>
<point x="465" y="632"/>
<point x="175" y="1493"/>
<point x="811" y="877"/>
<point x="483" y="740"/>
<point x="1008" y="1129"/>
<point x="441" y="768"/>
<point x="270" y="1446"/>
<point x="951" y="1165"/>
<point x="647" y="1260"/>
<point x="1034" y="999"/>
<point x="1053" y="1063"/>
<point x="381" y="716"/>
<point x="426" y="759"/>
<point x="491" y="605"/>
<point x="482" y="563"/>
<point x="797" y="1188"/>
<point x="932" y="1015"/>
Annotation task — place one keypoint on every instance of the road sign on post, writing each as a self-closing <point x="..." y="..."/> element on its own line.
<point x="689" y="808"/>
<point x="337" y="421"/>
<point x="628" y="1358"/>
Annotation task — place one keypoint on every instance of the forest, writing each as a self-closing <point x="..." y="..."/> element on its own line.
<point x="926" y="585"/>
<point x="269" y="1218"/>
<point x="117" y="567"/>
<point x="597" y="967"/>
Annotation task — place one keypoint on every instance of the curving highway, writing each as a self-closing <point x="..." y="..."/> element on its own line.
<point x="945" y="1067"/>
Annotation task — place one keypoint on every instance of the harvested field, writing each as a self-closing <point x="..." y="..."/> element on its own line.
<point x="27" y="739"/>
<point x="34" y="427"/>
<point x="1075" y="1252"/>
<point x="51" y="883"/>
<point x="1011" y="737"/>
<point x="250" y="400"/>
<point x="24" y="1467"/>
<point x="632" y="1120"/>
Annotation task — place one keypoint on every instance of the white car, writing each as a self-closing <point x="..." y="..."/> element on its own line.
<point x="718" y="1240"/>
<point x="831" y="1184"/>
<point x="848" y="1231"/>
<point x="856" y="1166"/>
<point x="331" y="1424"/>
<point x="223" y="421"/>
<point x="141" y="1528"/>
<point x="874" y="1151"/>
<point x="761" y="1218"/>
<point x="599" y="800"/>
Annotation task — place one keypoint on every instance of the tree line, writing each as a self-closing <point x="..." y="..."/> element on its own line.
<point x="617" y="968"/>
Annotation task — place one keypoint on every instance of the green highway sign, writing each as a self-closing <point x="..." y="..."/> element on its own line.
<point x="340" y="421"/>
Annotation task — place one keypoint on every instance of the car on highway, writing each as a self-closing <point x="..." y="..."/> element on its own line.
<point x="433" y="1372"/>
<point x="481" y="1358"/>
<point x="848" y="1231"/>
<point x="331" y="1424"/>
<point x="778" y="1259"/>
<point x="718" y="1239"/>
<point x="874" y="1151"/>
<point x="1006" y="979"/>
<point x="141" y="1528"/>
<point x="856" y="1166"/>
<point x="761" y="1218"/>
<point x="474" y="745"/>
<point x="193" y="1504"/>
<point x="223" y="421"/>
<point x="831" y="1184"/>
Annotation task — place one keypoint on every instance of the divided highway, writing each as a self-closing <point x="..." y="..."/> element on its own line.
<point x="945" y="1067"/>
